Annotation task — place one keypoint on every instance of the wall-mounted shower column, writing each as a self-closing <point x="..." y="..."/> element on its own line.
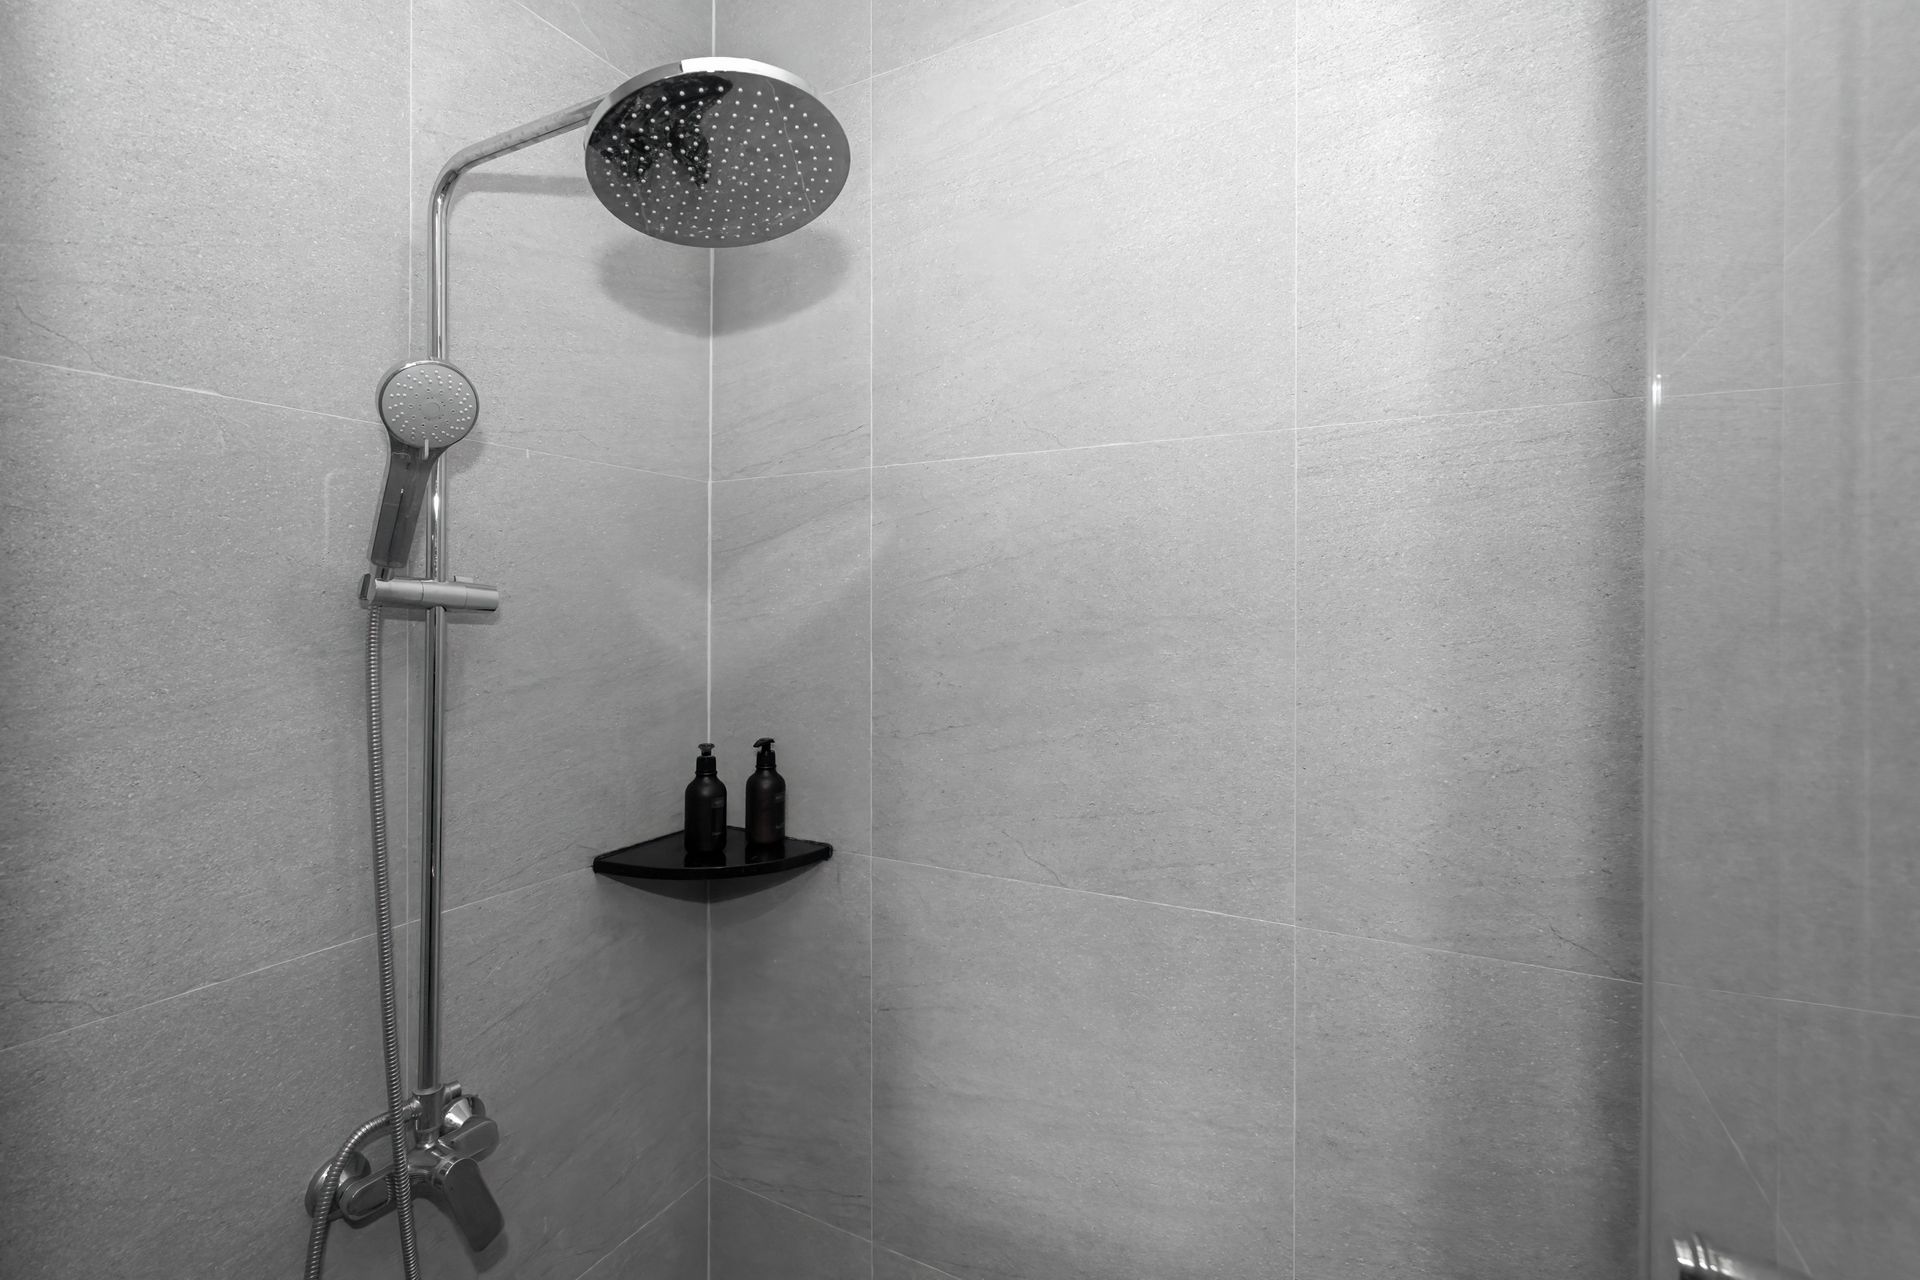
<point x="671" y="125"/>
<point x="430" y="1088"/>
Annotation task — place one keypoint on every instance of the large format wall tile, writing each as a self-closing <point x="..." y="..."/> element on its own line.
<point x="755" y="1239"/>
<point x="824" y="42"/>
<point x="208" y="194"/>
<point x="792" y="356"/>
<point x="1715" y="712"/>
<point x="1073" y="1086"/>
<point x="184" y="785"/>
<point x="1469" y="683"/>
<point x="1069" y="249"/>
<point x="1471" y="181"/>
<point x="791" y="658"/>
<point x="1718" y="166"/>
<point x="572" y="712"/>
<point x="577" y="1010"/>
<point x="583" y="336"/>
<point x="1463" y="1117"/>
<point x="1081" y="670"/>
<point x="907" y="30"/>
<point x="177" y="1139"/>
<point x="1764" y="695"/>
<point x="673" y="1246"/>
<point x="791" y="1044"/>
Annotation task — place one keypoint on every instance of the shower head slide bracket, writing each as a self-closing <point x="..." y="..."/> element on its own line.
<point x="459" y="596"/>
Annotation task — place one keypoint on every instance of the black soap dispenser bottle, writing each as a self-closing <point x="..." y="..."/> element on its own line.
<point x="706" y="831"/>
<point x="766" y="805"/>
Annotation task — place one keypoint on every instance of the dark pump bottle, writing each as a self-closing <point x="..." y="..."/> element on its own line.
<point x="766" y="803"/>
<point x="706" y="832"/>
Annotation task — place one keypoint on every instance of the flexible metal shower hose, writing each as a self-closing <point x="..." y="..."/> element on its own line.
<point x="394" y="1120"/>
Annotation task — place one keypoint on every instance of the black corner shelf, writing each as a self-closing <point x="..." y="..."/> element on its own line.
<point x="666" y="858"/>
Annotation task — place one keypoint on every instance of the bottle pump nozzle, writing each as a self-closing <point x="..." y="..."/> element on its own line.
<point x="765" y="759"/>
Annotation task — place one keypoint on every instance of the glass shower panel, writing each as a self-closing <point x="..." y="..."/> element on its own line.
<point x="1783" y="785"/>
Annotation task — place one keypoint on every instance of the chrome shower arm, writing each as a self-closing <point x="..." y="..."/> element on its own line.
<point x="493" y="148"/>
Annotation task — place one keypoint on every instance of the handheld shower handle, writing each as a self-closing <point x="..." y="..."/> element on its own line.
<point x="426" y="406"/>
<point x="405" y="491"/>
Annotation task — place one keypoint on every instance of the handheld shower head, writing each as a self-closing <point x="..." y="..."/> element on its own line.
<point x="715" y="152"/>
<point x="426" y="405"/>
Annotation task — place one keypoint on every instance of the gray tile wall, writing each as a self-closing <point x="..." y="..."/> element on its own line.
<point x="195" y="324"/>
<point x="1057" y="583"/>
<point x="1785" y="901"/>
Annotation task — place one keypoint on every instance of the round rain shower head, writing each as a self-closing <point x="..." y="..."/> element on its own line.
<point x="428" y="404"/>
<point x="715" y="152"/>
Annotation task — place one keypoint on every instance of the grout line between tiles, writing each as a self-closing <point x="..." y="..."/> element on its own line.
<point x="407" y="922"/>
<point x="334" y="417"/>
<point x="519" y="888"/>
<point x="1792" y="1000"/>
<point x="1863" y="587"/>
<point x="1227" y="435"/>
<point x="1293" y="816"/>
<point x="781" y="1204"/>
<point x="572" y="39"/>
<point x="962" y="44"/>
<point x="192" y="391"/>
<point x="190" y="991"/>
<point x="1799" y="1258"/>
<point x="924" y="1266"/>
<point x="1777" y="1026"/>
<point x="1406" y="419"/>
<point x="671" y="1204"/>
<point x="1714" y="1111"/>
<point x="1274" y="431"/>
<point x="585" y="462"/>
<point x="873" y="184"/>
<point x="1650" y="338"/>
<point x="1276" y="924"/>
<point x="794" y="475"/>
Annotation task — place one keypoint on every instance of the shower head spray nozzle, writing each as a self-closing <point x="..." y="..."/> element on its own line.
<point x="715" y="152"/>
<point x="426" y="405"/>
